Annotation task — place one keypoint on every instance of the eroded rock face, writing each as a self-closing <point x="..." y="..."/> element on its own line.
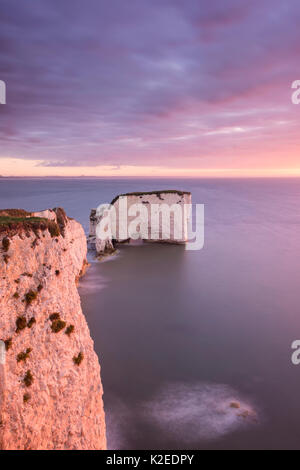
<point x="51" y="392"/>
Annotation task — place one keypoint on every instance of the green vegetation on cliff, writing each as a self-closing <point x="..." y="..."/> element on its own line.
<point x="18" y="220"/>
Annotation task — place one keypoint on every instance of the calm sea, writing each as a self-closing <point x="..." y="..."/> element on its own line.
<point x="194" y="346"/>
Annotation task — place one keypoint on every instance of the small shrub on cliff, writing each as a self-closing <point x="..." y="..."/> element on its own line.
<point x="17" y="281"/>
<point x="62" y="219"/>
<point x="31" y="322"/>
<point x="5" y="243"/>
<point x="28" y="379"/>
<point x="54" y="316"/>
<point x="58" y="325"/>
<point x="30" y="296"/>
<point x="21" y="323"/>
<point x="69" y="330"/>
<point x="16" y="295"/>
<point x="35" y="242"/>
<point x="40" y="288"/>
<point x="26" y="397"/>
<point x="57" y="272"/>
<point x="53" y="229"/>
<point x="22" y="356"/>
<point x="78" y="359"/>
<point x="8" y="343"/>
<point x="5" y="258"/>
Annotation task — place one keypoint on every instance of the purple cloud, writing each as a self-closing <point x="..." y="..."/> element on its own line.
<point x="147" y="83"/>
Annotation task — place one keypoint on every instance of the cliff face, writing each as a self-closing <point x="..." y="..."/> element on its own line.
<point x="51" y="392"/>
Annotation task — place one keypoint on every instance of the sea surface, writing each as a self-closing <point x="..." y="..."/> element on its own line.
<point x="194" y="346"/>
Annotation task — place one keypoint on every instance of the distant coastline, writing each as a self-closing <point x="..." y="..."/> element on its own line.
<point x="121" y="177"/>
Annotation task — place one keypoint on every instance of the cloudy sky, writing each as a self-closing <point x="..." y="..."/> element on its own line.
<point x="149" y="87"/>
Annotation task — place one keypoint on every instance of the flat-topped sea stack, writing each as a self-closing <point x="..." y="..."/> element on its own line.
<point x="155" y="216"/>
<point x="50" y="386"/>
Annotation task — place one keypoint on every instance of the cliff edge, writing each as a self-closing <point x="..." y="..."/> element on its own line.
<point x="51" y="392"/>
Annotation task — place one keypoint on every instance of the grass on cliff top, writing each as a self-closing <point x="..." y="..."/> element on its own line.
<point x="6" y="220"/>
<point x="16" y="220"/>
<point x="14" y="213"/>
<point x="157" y="193"/>
<point x="11" y="222"/>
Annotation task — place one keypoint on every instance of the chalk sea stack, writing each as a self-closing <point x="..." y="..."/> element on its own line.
<point x="120" y="212"/>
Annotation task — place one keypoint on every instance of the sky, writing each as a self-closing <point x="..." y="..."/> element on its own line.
<point x="149" y="87"/>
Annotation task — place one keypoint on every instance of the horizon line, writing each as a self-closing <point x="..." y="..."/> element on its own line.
<point x="240" y="176"/>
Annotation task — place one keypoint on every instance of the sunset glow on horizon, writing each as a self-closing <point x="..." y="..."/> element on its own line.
<point x="16" y="168"/>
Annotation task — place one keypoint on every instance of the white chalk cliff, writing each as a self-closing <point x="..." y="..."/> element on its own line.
<point x="121" y="212"/>
<point x="50" y="386"/>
